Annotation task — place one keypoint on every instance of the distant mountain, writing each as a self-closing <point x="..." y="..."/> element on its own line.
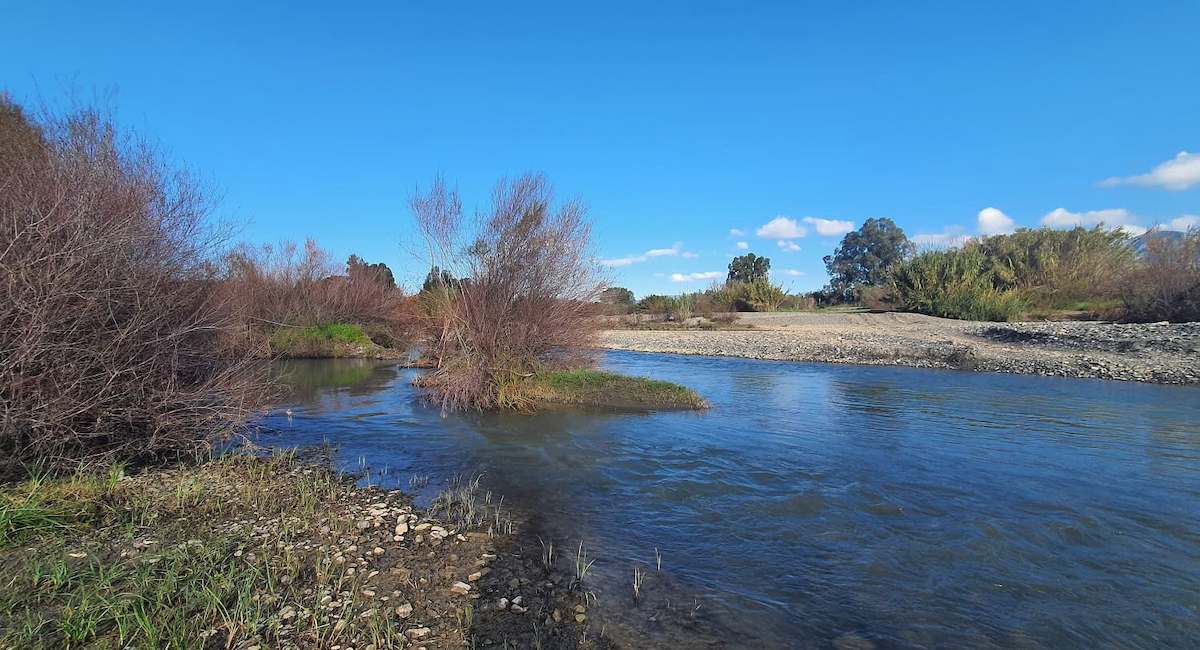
<point x="1140" y="242"/>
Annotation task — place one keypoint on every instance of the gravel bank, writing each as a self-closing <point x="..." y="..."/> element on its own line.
<point x="1156" y="353"/>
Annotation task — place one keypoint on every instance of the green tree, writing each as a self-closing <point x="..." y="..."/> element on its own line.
<point x="358" y="269"/>
<point x="866" y="256"/>
<point x="617" y="296"/>
<point x="438" y="278"/>
<point x="748" y="268"/>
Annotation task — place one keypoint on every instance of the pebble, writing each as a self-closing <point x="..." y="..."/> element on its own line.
<point x="460" y="588"/>
<point x="417" y="632"/>
<point x="405" y="610"/>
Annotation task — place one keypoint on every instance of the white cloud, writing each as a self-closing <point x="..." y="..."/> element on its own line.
<point x="664" y="252"/>
<point x="689" y="256"/>
<point x="994" y="222"/>
<point x="789" y="246"/>
<point x="736" y="232"/>
<point x="1178" y="173"/>
<point x="1063" y="218"/>
<point x="1184" y="223"/>
<point x="951" y="236"/>
<point x="743" y="245"/>
<point x="781" y="228"/>
<point x="829" y="227"/>
<point x="793" y="272"/>
<point x="623" y="261"/>
<point x="676" y="250"/>
<point x="695" y="277"/>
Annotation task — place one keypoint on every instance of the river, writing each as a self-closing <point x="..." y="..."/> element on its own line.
<point x="820" y="505"/>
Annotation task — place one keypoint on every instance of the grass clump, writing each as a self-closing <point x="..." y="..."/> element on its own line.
<point x="597" y="388"/>
<point x="320" y="341"/>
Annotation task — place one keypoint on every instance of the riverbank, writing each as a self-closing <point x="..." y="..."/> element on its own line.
<point x="1155" y="353"/>
<point x="248" y="552"/>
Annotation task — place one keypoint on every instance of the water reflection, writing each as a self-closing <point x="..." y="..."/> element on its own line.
<point x="908" y="507"/>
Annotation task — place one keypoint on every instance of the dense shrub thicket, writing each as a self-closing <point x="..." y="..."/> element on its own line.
<point x="1166" y="286"/>
<point x="955" y="283"/>
<point x="1000" y="277"/>
<point x="110" y="326"/>
<point x="269" y="289"/>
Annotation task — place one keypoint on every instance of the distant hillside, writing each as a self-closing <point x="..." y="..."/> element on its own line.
<point x="1140" y="242"/>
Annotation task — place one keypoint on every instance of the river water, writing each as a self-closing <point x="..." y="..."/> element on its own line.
<point x="824" y="505"/>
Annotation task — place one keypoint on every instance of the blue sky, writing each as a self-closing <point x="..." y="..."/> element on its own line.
<point x="677" y="122"/>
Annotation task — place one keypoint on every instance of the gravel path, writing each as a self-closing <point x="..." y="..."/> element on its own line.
<point x="1157" y="353"/>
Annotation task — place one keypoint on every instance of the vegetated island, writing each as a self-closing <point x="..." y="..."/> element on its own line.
<point x="506" y="317"/>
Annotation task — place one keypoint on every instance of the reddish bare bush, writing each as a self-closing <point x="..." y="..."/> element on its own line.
<point x="108" y="321"/>
<point x="279" y="286"/>
<point x="526" y="298"/>
<point x="1166" y="286"/>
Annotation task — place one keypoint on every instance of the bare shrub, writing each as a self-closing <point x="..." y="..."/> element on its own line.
<point x="109" y="323"/>
<point x="1166" y="286"/>
<point x="524" y="301"/>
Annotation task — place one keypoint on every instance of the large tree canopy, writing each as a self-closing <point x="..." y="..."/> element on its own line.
<point x="616" y="296"/>
<point x="748" y="268"/>
<point x="357" y="268"/>
<point x="867" y="255"/>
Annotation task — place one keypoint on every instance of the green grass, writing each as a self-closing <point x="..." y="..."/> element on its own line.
<point x="587" y="387"/>
<point x="91" y="560"/>
<point x="330" y="340"/>
<point x="168" y="603"/>
<point x="22" y="519"/>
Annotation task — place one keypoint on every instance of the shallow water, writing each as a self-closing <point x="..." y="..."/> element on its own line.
<point x="823" y="504"/>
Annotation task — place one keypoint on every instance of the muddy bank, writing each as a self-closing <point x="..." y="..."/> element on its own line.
<point x="1156" y="353"/>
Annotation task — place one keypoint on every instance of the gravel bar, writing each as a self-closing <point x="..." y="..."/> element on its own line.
<point x="1159" y="353"/>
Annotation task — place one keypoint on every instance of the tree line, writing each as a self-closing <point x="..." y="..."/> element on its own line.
<point x="1032" y="273"/>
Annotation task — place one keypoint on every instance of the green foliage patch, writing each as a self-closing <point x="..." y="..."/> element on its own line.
<point x="1001" y="277"/>
<point x="588" y="387"/>
<point x="329" y="340"/>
